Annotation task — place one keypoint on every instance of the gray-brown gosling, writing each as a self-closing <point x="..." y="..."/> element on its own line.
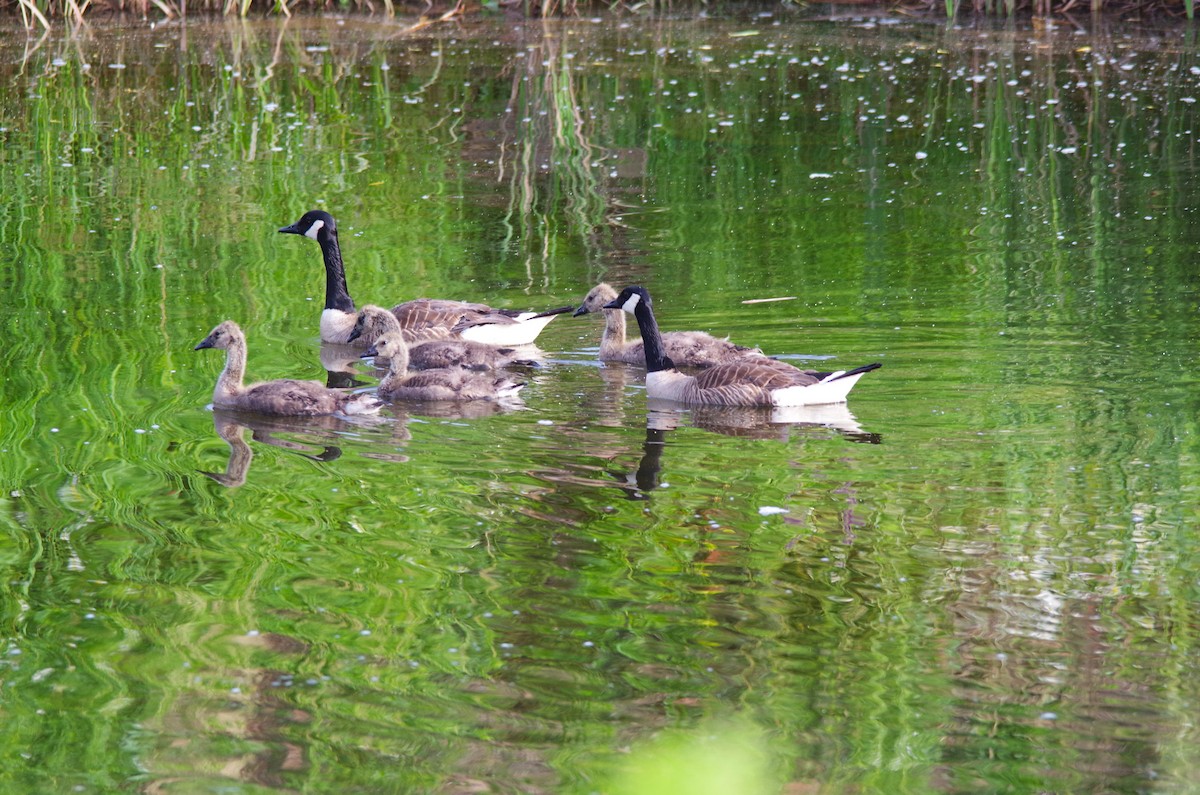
<point x="422" y="318"/>
<point x="744" y="383"/>
<point x="374" y="321"/>
<point x="444" y="384"/>
<point x="285" y="396"/>
<point x="685" y="348"/>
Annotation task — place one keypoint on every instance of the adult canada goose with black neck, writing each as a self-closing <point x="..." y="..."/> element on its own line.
<point x="436" y="385"/>
<point x="422" y="318"/>
<point x="744" y="383"/>
<point x="287" y="396"/>
<point x="684" y="348"/>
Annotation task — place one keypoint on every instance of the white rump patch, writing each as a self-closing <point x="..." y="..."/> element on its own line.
<point x="313" y="230"/>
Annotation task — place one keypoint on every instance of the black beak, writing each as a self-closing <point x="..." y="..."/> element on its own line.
<point x="614" y="304"/>
<point x="582" y="310"/>
<point x="204" y="343"/>
<point x="291" y="230"/>
<point x="369" y="352"/>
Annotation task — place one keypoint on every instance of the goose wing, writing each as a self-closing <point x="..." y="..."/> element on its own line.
<point x="749" y="382"/>
<point x="437" y="318"/>
<point x="292" y="397"/>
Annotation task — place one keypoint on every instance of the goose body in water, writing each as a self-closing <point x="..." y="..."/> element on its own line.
<point x="422" y="318"/>
<point x="684" y="348"/>
<point x="436" y="385"/>
<point x="374" y="321"/>
<point x="743" y="383"/>
<point x="287" y="396"/>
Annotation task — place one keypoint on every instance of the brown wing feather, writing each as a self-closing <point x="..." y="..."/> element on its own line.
<point x="745" y="383"/>
<point x="458" y="353"/>
<point x="439" y="318"/>
<point x="448" y="385"/>
<point x="291" y="397"/>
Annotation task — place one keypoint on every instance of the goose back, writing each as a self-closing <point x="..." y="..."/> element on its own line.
<point x="374" y="321"/>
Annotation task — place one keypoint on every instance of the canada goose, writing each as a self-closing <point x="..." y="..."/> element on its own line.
<point x="423" y="318"/>
<point x="443" y="384"/>
<point x="686" y="348"/>
<point x="744" y="383"/>
<point x="285" y="396"/>
<point x="374" y="321"/>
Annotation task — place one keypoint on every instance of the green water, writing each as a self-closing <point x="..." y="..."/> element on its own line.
<point x="984" y="579"/>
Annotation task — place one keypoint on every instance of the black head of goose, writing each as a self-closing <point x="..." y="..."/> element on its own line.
<point x="748" y="382"/>
<point x="422" y="318"/>
<point x="287" y="396"/>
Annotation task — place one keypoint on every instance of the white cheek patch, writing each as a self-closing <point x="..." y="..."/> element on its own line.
<point x="314" y="229"/>
<point x="631" y="303"/>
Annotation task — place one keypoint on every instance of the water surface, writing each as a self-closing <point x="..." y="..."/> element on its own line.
<point x="979" y="577"/>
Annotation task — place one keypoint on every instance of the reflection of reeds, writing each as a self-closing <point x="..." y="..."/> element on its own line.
<point x="546" y="155"/>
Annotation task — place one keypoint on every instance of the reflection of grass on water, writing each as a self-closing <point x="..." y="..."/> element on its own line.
<point x="546" y="157"/>
<point x="41" y="12"/>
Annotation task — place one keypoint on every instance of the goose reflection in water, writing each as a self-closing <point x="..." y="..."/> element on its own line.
<point x="232" y="426"/>
<point x="752" y="422"/>
<point x="342" y="365"/>
<point x="760" y="422"/>
<point x="638" y="484"/>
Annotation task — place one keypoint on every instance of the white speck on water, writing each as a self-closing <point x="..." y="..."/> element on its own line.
<point x="116" y="66"/>
<point x="820" y="175"/>
<point x="365" y="632"/>
<point x="235" y="690"/>
<point x="252" y="633"/>
<point x="545" y="422"/>
<point x="770" y="510"/>
<point x="922" y="155"/>
<point x="1049" y="716"/>
<point x="139" y="430"/>
<point x="588" y="643"/>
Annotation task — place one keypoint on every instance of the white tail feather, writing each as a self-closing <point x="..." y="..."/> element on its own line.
<point x="831" y="390"/>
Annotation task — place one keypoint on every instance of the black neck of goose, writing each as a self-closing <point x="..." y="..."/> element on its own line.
<point x="337" y="296"/>
<point x="652" y="341"/>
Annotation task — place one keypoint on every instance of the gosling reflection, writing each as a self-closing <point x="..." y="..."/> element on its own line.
<point x="232" y="428"/>
<point x="341" y="363"/>
<point x="760" y="422"/>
